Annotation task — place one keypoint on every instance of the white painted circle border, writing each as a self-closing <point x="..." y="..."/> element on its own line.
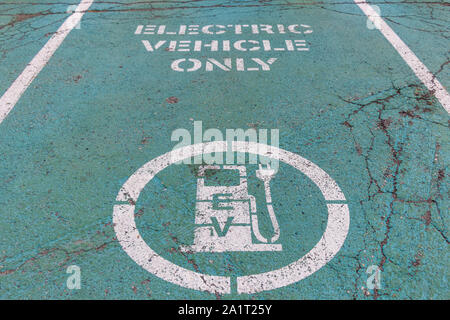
<point x="330" y="243"/>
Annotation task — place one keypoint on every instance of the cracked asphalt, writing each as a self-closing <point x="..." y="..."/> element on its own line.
<point x="103" y="106"/>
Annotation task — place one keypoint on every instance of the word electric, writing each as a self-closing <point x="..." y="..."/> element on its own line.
<point x="222" y="29"/>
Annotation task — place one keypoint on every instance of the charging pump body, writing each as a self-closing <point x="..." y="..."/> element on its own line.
<point x="223" y="216"/>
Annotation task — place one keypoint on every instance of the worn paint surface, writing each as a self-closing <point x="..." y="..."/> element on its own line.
<point x="104" y="106"/>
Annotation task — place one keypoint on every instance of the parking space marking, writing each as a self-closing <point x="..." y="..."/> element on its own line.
<point x="421" y="71"/>
<point x="20" y="85"/>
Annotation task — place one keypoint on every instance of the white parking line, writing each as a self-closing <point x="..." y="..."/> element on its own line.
<point x="20" y="85"/>
<point x="421" y="71"/>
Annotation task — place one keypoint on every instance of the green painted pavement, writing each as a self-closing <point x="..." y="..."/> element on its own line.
<point x="103" y="107"/>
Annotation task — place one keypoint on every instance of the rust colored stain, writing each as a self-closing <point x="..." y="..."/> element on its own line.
<point x="25" y="16"/>
<point x="427" y="217"/>
<point x="172" y="100"/>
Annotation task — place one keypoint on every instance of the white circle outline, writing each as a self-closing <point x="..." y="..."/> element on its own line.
<point x="330" y="243"/>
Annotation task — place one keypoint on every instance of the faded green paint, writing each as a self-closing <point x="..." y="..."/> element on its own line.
<point x="103" y="107"/>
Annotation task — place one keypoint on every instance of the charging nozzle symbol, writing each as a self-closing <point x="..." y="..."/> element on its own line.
<point x="266" y="175"/>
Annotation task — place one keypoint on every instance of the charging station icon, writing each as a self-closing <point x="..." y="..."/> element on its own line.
<point x="224" y="211"/>
<point x="225" y="216"/>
